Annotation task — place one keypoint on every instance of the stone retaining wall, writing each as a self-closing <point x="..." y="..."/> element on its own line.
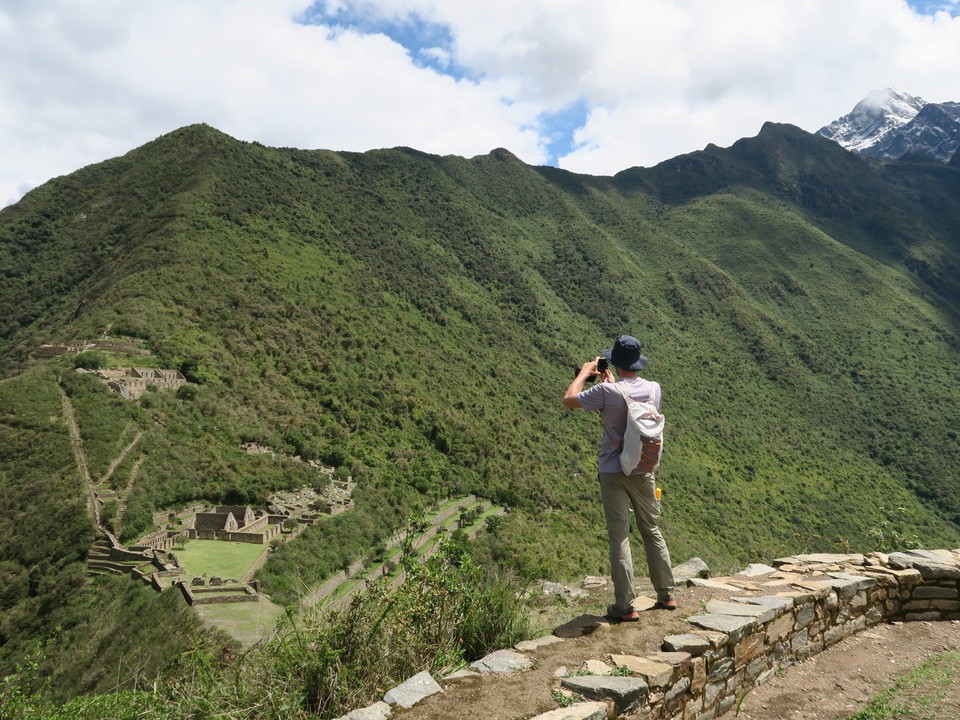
<point x="775" y="618"/>
<point x="217" y="595"/>
<point x="804" y="605"/>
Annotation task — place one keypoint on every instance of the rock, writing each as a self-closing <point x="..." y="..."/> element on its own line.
<point x="593" y="581"/>
<point x="564" y="591"/>
<point x="641" y="603"/>
<point x="595" y="667"/>
<point x="657" y="674"/>
<point x="578" y="711"/>
<point x="720" y="607"/>
<point x="693" y="644"/>
<point x="926" y="554"/>
<point x="627" y="693"/>
<point x="735" y="627"/>
<point x="928" y="569"/>
<point x="775" y="602"/>
<point x="460" y="674"/>
<point x="755" y="569"/>
<point x="714" y="584"/>
<point x="410" y="692"/>
<point x="692" y="568"/>
<point x="528" y="645"/>
<point x="502" y="661"/>
<point x="821" y="558"/>
<point x="377" y="711"/>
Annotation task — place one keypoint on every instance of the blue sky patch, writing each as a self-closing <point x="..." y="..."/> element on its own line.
<point x="429" y="44"/>
<point x="929" y="7"/>
<point x="558" y="129"/>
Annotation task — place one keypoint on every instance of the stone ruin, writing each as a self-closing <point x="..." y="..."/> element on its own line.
<point x="235" y="524"/>
<point x="133" y="382"/>
<point x="126" y="346"/>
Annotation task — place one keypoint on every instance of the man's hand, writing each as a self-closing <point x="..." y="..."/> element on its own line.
<point x="588" y="370"/>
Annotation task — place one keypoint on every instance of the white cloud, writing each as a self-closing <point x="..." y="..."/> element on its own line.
<point x="81" y="82"/>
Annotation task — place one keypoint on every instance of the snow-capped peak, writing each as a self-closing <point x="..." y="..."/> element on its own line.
<point x="879" y="113"/>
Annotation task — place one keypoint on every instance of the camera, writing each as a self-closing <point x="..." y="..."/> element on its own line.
<point x="602" y="365"/>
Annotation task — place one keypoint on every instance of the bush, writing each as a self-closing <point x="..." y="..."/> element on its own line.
<point x="448" y="612"/>
<point x="90" y="360"/>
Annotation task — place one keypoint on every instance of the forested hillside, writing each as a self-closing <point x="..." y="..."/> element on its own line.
<point x="414" y="320"/>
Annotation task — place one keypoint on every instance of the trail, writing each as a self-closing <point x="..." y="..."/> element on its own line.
<point x="93" y="504"/>
<point x="119" y="459"/>
<point x="128" y="488"/>
<point x="333" y="582"/>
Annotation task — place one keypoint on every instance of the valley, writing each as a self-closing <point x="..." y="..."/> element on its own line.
<point x="407" y="323"/>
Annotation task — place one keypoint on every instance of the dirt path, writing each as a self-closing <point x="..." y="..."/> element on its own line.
<point x="119" y="459"/>
<point x="832" y="685"/>
<point x="93" y="504"/>
<point x="844" y="679"/>
<point x="334" y="581"/>
<point x="122" y="505"/>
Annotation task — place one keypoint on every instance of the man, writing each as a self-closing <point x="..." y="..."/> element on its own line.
<point x="618" y="491"/>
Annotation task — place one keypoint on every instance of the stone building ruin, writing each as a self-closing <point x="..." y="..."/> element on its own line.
<point x="235" y="524"/>
<point x="133" y="382"/>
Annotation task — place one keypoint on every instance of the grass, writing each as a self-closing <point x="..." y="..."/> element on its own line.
<point x="928" y="692"/>
<point x="248" y="622"/>
<point x="207" y="558"/>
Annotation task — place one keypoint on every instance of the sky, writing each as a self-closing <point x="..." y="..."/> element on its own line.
<point x="592" y="87"/>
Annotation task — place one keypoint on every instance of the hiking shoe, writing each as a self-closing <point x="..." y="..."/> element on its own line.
<point x="668" y="603"/>
<point x="630" y="615"/>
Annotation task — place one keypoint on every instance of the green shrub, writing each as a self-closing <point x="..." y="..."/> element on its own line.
<point x="448" y="612"/>
<point x="90" y="360"/>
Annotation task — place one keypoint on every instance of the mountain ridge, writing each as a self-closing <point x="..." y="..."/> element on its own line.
<point x="412" y="320"/>
<point x="891" y="124"/>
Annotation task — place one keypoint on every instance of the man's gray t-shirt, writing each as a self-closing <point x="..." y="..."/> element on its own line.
<point x="606" y="398"/>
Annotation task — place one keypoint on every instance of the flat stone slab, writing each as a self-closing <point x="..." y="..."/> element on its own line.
<point x="627" y="693"/>
<point x="755" y="569"/>
<point x="675" y="658"/>
<point x="821" y="559"/>
<point x="461" y="674"/>
<point x="657" y="674"/>
<point x="642" y="603"/>
<point x="502" y="661"/>
<point x="688" y="642"/>
<point x="849" y="585"/>
<point x="528" y="645"/>
<point x="928" y="569"/>
<point x="577" y="711"/>
<point x="377" y="711"/>
<point x="928" y="554"/>
<point x="734" y="626"/>
<point x="410" y="692"/>
<point x="721" y="607"/>
<point x="714" y="584"/>
<point x="777" y="604"/>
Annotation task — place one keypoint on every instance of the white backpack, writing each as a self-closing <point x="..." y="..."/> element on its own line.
<point x="643" y="438"/>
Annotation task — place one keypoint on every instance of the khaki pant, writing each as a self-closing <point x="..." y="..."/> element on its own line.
<point x="619" y="493"/>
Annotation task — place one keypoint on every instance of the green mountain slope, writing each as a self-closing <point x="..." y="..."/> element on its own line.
<point x="413" y="320"/>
